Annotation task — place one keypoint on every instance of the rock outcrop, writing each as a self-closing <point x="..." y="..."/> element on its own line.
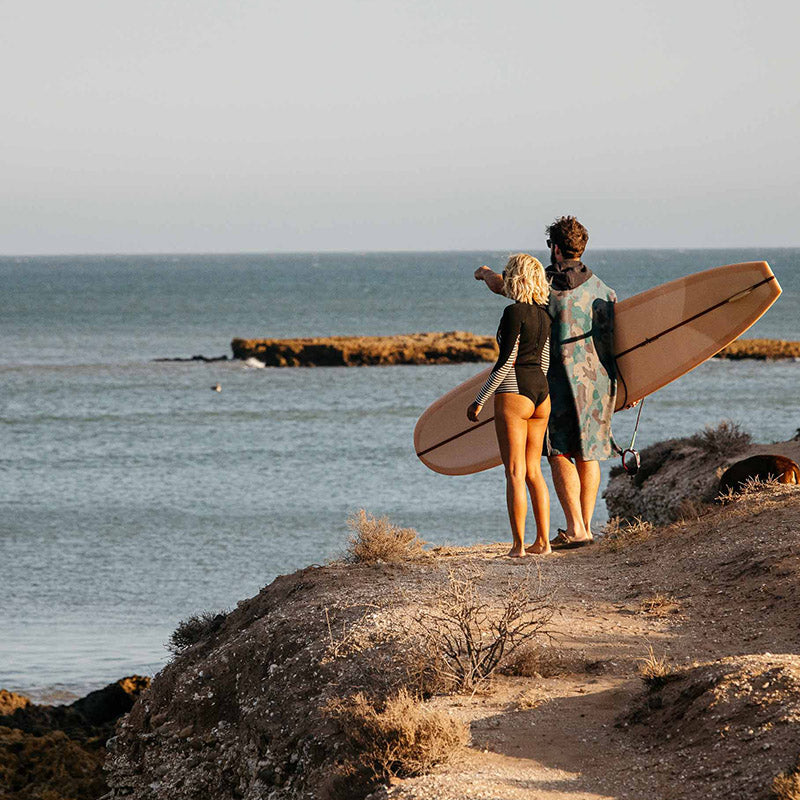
<point x="763" y="468"/>
<point x="761" y="349"/>
<point x="57" y="752"/>
<point x="349" y="351"/>
<point x="678" y="477"/>
<point x="740" y="702"/>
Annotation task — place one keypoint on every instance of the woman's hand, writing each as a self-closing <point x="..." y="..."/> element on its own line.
<point x="473" y="411"/>
<point x="482" y="272"/>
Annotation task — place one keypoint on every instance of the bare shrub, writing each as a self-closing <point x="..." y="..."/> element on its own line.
<point x="655" y="671"/>
<point x="786" y="786"/>
<point x="726" y="439"/>
<point x="196" y="628"/>
<point x="348" y="635"/>
<point x="398" y="737"/>
<point x="619" y="533"/>
<point x="468" y="632"/>
<point x="376" y="539"/>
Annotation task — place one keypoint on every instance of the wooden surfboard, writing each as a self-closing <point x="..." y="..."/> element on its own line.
<point x="659" y="335"/>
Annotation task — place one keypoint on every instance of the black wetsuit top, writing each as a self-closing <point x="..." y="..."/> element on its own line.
<point x="524" y="339"/>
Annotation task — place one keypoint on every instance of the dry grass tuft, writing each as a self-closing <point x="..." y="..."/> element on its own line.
<point x="542" y="661"/>
<point x="660" y="605"/>
<point x="726" y="439"/>
<point x="690" y="509"/>
<point x="751" y="490"/>
<point x="531" y="698"/>
<point x="396" y="738"/>
<point x="786" y="786"/>
<point x="468" y="633"/>
<point x="619" y="533"/>
<point x="655" y="671"/>
<point x="376" y="539"/>
<point x="195" y="629"/>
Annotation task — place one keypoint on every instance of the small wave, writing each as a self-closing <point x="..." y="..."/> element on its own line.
<point x="254" y="363"/>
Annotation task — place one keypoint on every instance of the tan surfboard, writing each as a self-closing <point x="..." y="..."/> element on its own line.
<point x="660" y="334"/>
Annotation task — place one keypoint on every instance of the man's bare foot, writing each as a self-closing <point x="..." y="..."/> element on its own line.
<point x="539" y="549"/>
<point x="515" y="552"/>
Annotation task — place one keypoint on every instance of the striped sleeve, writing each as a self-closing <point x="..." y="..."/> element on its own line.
<point x="504" y="364"/>
<point x="545" y="360"/>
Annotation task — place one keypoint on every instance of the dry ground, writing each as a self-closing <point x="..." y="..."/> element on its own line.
<point x="709" y="606"/>
<point x="724" y="585"/>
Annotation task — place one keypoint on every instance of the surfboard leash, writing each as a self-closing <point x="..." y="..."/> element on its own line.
<point x="636" y="459"/>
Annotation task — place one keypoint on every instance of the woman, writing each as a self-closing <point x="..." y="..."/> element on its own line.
<point x="522" y="402"/>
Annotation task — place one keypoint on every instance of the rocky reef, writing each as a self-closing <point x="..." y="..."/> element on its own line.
<point x="761" y="349"/>
<point x="58" y="752"/>
<point x="421" y="348"/>
<point x="349" y="351"/>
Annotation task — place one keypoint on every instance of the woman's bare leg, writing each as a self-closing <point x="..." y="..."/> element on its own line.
<point x="511" y="413"/>
<point x="540" y="496"/>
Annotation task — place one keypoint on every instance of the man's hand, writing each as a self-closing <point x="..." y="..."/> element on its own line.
<point x="473" y="411"/>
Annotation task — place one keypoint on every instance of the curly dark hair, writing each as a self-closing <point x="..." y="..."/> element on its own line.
<point x="569" y="235"/>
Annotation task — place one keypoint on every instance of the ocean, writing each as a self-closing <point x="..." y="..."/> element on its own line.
<point x="132" y="496"/>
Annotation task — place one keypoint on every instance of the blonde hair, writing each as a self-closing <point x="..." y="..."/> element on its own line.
<point x="524" y="280"/>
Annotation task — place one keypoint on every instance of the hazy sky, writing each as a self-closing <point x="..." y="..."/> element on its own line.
<point x="229" y="125"/>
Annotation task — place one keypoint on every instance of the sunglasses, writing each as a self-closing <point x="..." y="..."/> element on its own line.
<point x="549" y="243"/>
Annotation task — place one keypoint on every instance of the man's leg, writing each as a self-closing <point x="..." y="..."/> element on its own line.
<point x="589" y="476"/>
<point x="567" y="482"/>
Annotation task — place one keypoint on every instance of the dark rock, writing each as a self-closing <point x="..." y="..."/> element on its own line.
<point x="761" y="467"/>
<point x="108" y="704"/>
<point x="57" y="752"/>
<point x="203" y="359"/>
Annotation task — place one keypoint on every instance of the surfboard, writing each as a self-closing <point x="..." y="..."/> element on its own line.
<point x="659" y="335"/>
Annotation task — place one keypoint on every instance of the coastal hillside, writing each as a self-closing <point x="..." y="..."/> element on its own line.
<point x="662" y="662"/>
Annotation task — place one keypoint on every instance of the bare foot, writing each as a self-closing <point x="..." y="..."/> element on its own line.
<point x="515" y="552"/>
<point x="539" y="549"/>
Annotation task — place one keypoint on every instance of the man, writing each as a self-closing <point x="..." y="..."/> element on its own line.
<point x="582" y="377"/>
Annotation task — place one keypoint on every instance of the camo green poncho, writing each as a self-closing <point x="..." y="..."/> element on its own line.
<point x="582" y="376"/>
